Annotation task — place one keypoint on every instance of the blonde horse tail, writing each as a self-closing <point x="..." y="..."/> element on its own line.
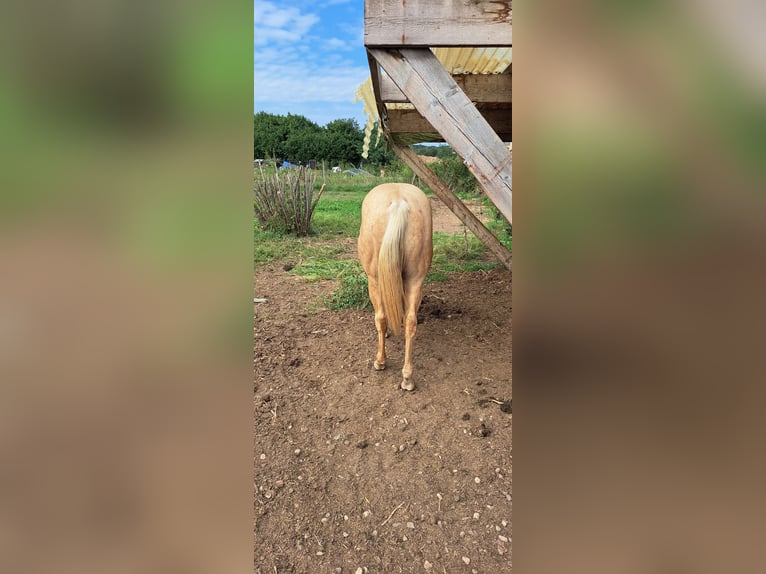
<point x="390" y="262"/>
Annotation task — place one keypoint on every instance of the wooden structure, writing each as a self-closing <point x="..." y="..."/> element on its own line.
<point x="441" y="71"/>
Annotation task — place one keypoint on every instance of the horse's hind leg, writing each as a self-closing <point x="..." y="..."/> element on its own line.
<point x="380" y="324"/>
<point x="412" y="297"/>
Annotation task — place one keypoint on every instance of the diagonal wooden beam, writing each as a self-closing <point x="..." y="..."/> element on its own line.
<point x="433" y="92"/>
<point x="454" y="203"/>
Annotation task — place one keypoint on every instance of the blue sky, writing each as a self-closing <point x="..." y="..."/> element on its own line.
<point x="309" y="58"/>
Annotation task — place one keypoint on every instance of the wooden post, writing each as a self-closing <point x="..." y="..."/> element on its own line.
<point x="433" y="92"/>
<point x="479" y="88"/>
<point x="454" y="204"/>
<point x="411" y="122"/>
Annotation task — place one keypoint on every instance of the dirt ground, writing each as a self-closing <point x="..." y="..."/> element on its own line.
<point x="352" y="474"/>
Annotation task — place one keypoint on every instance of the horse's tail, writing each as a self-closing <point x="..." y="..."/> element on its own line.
<point x="390" y="262"/>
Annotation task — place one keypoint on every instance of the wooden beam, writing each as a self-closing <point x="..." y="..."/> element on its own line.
<point x="427" y="23"/>
<point x="411" y="122"/>
<point x="454" y="204"/>
<point x="375" y="77"/>
<point x="480" y="88"/>
<point x="437" y="97"/>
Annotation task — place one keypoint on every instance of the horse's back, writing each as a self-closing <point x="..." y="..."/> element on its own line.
<point x="418" y="246"/>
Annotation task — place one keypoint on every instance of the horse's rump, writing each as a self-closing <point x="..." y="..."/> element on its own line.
<point x="395" y="243"/>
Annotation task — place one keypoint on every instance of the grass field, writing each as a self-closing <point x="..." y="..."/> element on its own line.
<point x="320" y="256"/>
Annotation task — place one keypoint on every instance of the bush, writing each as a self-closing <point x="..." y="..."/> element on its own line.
<point x="457" y="176"/>
<point x="399" y="171"/>
<point x="285" y="203"/>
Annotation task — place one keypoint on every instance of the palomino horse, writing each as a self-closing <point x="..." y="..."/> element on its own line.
<point x="395" y="247"/>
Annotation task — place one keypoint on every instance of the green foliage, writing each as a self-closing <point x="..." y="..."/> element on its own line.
<point x="303" y="144"/>
<point x="292" y="136"/>
<point x="441" y="151"/>
<point x="352" y="290"/>
<point x="297" y="139"/>
<point x="457" y="176"/>
<point x="379" y="154"/>
<point x="342" y="142"/>
<point x="285" y="203"/>
<point x="501" y="227"/>
<point x="399" y="171"/>
<point x="458" y="253"/>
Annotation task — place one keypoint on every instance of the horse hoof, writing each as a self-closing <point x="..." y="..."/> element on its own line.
<point x="408" y="385"/>
<point x="378" y="366"/>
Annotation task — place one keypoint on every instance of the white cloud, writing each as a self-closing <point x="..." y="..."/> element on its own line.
<point x="300" y="70"/>
<point x="277" y="24"/>
<point x="291" y="81"/>
<point x="336" y="44"/>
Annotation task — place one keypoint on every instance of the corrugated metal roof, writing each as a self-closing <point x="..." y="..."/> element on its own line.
<point x="474" y="60"/>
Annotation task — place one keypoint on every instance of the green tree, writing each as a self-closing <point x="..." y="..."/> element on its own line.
<point x="303" y="143"/>
<point x="343" y="142"/>
<point x="296" y="138"/>
<point x="269" y="133"/>
<point x="287" y="137"/>
<point x="379" y="153"/>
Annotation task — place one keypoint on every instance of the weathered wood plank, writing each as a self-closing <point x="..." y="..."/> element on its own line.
<point x="454" y="204"/>
<point x="376" y="77"/>
<point x="411" y="122"/>
<point x="479" y="88"/>
<point x="427" y="23"/>
<point x="434" y="93"/>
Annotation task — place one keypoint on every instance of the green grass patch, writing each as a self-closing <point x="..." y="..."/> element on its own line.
<point x="345" y="183"/>
<point x="458" y="254"/>
<point x="338" y="213"/>
<point x="323" y="265"/>
<point x="270" y="246"/>
<point x="312" y="253"/>
<point x="351" y="292"/>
